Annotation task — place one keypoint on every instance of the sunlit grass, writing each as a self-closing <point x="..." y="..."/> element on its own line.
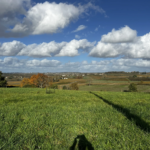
<point x="32" y="119"/>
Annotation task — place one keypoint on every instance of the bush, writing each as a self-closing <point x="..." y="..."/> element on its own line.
<point x="64" y="87"/>
<point x="141" y="82"/>
<point x="54" y="86"/>
<point x="132" y="88"/>
<point x="74" y="86"/>
<point x="134" y="76"/>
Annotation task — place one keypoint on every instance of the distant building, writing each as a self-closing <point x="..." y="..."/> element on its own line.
<point x="65" y="78"/>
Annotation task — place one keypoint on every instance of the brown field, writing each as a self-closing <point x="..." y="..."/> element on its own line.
<point x="68" y="81"/>
<point x="13" y="83"/>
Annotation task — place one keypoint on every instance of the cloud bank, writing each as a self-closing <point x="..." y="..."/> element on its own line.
<point x="133" y="49"/>
<point x="123" y="43"/>
<point x="16" y="48"/>
<point x="11" y="64"/>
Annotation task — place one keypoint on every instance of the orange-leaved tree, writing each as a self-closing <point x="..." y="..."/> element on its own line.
<point x="39" y="80"/>
<point x="25" y="82"/>
<point x="42" y="80"/>
<point x="33" y="80"/>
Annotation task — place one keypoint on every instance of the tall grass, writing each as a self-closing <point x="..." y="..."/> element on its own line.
<point x="31" y="119"/>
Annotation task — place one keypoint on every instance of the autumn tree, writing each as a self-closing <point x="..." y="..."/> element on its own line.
<point x="33" y="80"/>
<point x="25" y="82"/>
<point x="39" y="80"/>
<point x="42" y="80"/>
<point x="3" y="82"/>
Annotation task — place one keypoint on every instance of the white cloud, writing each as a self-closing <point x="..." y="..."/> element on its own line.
<point x="42" y="18"/>
<point x="108" y="50"/>
<point x="71" y="48"/>
<point x="42" y="50"/>
<point x="118" y="43"/>
<point x="11" y="48"/>
<point x="50" y="49"/>
<point x="77" y="36"/>
<point x="11" y="64"/>
<point x="18" y="18"/>
<point x="124" y="34"/>
<point x="81" y="27"/>
<point x="43" y="63"/>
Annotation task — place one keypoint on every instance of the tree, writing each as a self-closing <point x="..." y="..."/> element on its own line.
<point x="64" y="87"/>
<point x="3" y="82"/>
<point x="42" y="80"/>
<point x="132" y="87"/>
<point x="134" y="76"/>
<point x="25" y="82"/>
<point x="33" y="80"/>
<point x="53" y="86"/>
<point x="39" y="80"/>
<point x="74" y="86"/>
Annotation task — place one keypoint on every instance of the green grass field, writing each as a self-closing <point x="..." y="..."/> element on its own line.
<point x="31" y="119"/>
<point x="113" y="87"/>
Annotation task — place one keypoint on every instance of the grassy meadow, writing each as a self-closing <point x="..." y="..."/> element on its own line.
<point x="65" y="120"/>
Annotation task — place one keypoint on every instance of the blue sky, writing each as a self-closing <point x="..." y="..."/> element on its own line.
<point x="87" y="36"/>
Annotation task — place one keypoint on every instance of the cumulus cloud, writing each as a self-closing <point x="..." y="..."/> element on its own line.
<point x="123" y="35"/>
<point x="121" y="43"/>
<point x="16" y="48"/>
<point x="71" y="48"/>
<point x="47" y="18"/>
<point x="18" y="18"/>
<point x="108" y="50"/>
<point x="11" y="48"/>
<point x="81" y="27"/>
<point x="42" y="50"/>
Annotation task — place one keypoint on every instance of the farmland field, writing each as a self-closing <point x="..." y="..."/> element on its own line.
<point x="13" y="83"/>
<point x="31" y="119"/>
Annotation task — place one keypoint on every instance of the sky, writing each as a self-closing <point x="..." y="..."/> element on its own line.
<point x="74" y="36"/>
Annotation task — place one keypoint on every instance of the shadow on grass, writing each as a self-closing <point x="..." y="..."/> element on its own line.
<point x="13" y="101"/>
<point x="81" y="143"/>
<point x="126" y="112"/>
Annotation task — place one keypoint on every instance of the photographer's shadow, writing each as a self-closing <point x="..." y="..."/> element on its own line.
<point x="81" y="143"/>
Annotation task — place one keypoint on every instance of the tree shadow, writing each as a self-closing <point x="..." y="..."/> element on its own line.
<point x="81" y="143"/>
<point x="126" y="112"/>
